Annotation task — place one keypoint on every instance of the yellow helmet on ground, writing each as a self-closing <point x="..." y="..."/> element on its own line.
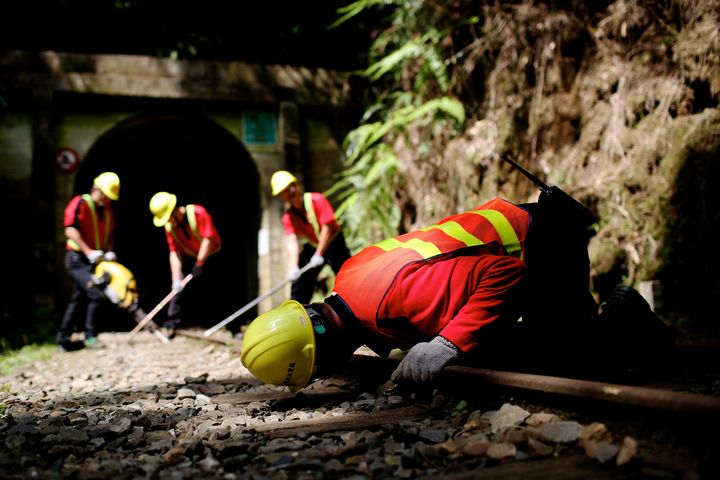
<point x="279" y="346"/>
<point x="281" y="180"/>
<point x="109" y="184"/>
<point x="162" y="205"/>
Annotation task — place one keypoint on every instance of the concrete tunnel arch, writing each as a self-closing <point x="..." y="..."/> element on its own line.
<point x="201" y="162"/>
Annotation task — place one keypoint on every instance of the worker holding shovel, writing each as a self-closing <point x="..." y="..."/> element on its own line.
<point x="191" y="237"/>
<point x="313" y="235"/>
<point x="313" y="238"/>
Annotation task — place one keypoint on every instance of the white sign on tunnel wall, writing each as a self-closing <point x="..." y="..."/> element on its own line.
<point x="66" y="159"/>
<point x="259" y="128"/>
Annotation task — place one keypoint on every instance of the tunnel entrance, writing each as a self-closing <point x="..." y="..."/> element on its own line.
<point x="201" y="163"/>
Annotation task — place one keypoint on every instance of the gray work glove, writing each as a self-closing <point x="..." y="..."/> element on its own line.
<point x="294" y="274"/>
<point x="95" y="256"/>
<point x="177" y="285"/>
<point x="423" y="362"/>
<point x="316" y="260"/>
<point x="110" y="256"/>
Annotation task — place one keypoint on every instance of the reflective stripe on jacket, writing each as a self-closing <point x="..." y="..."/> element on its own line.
<point x="312" y="218"/>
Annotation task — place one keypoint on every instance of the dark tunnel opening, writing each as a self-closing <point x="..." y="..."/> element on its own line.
<point x="201" y="163"/>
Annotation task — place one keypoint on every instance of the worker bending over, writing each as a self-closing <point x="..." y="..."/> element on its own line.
<point x="89" y="225"/>
<point x="191" y="237"/>
<point x="310" y="223"/>
<point x="454" y="292"/>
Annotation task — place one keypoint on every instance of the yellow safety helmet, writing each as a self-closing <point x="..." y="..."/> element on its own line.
<point x="281" y="180"/>
<point x="279" y="346"/>
<point x="109" y="184"/>
<point x="162" y="205"/>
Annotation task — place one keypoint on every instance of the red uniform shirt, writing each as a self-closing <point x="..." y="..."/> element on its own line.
<point x="78" y="214"/>
<point x="403" y="298"/>
<point x="187" y="242"/>
<point x="297" y="223"/>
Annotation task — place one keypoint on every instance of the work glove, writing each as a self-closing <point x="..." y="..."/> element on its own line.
<point x="177" y="285"/>
<point x="316" y="260"/>
<point x="94" y="256"/>
<point x="294" y="274"/>
<point x="423" y="362"/>
<point x="110" y="256"/>
<point x="197" y="270"/>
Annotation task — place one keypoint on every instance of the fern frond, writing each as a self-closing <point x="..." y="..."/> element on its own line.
<point x="412" y="49"/>
<point x="354" y="9"/>
<point x="436" y="65"/>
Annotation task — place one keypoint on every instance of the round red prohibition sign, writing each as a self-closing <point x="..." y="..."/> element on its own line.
<point x="66" y="159"/>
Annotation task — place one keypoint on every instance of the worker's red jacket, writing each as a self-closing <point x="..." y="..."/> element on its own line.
<point x="297" y="223"/>
<point x="450" y="279"/>
<point x="186" y="237"/>
<point x="94" y="222"/>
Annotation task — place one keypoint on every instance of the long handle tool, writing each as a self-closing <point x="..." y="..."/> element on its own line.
<point x="259" y="299"/>
<point x="139" y="315"/>
<point x="557" y="199"/>
<point x="158" y="307"/>
<point x="539" y="183"/>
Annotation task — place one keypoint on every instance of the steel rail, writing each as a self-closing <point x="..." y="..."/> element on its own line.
<point x="645" y="397"/>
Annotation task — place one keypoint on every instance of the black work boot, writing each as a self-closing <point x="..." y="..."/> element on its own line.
<point x="642" y="338"/>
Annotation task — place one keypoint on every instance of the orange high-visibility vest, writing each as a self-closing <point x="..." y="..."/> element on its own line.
<point x="371" y="271"/>
<point x="97" y="246"/>
<point x="311" y="218"/>
<point x="192" y="221"/>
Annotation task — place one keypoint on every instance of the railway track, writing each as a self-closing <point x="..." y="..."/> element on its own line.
<point x="630" y="418"/>
<point x="187" y="409"/>
<point x="652" y="398"/>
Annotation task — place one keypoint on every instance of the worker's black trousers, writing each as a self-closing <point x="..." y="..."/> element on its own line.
<point x="85" y="300"/>
<point x="186" y="308"/>
<point x="336" y="254"/>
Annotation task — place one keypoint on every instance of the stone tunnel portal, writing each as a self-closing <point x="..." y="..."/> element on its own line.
<point x="200" y="162"/>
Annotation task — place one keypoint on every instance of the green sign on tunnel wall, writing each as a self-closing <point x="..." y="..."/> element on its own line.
<point x="259" y="128"/>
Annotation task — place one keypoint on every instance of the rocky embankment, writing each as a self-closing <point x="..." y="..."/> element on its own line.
<point x="189" y="409"/>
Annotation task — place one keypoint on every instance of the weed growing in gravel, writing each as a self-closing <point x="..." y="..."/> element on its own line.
<point x="11" y="360"/>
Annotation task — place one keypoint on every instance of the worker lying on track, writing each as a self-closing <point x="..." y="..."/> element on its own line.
<point x="89" y="225"/>
<point x="309" y="222"/>
<point x="191" y="237"/>
<point x="454" y="292"/>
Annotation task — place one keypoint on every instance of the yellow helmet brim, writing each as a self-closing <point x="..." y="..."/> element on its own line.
<point x="279" y="346"/>
<point x="163" y="219"/>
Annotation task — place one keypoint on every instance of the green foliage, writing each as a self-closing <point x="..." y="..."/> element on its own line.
<point x="12" y="360"/>
<point x="460" y="408"/>
<point x="355" y="9"/>
<point x="424" y="49"/>
<point x="367" y="190"/>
